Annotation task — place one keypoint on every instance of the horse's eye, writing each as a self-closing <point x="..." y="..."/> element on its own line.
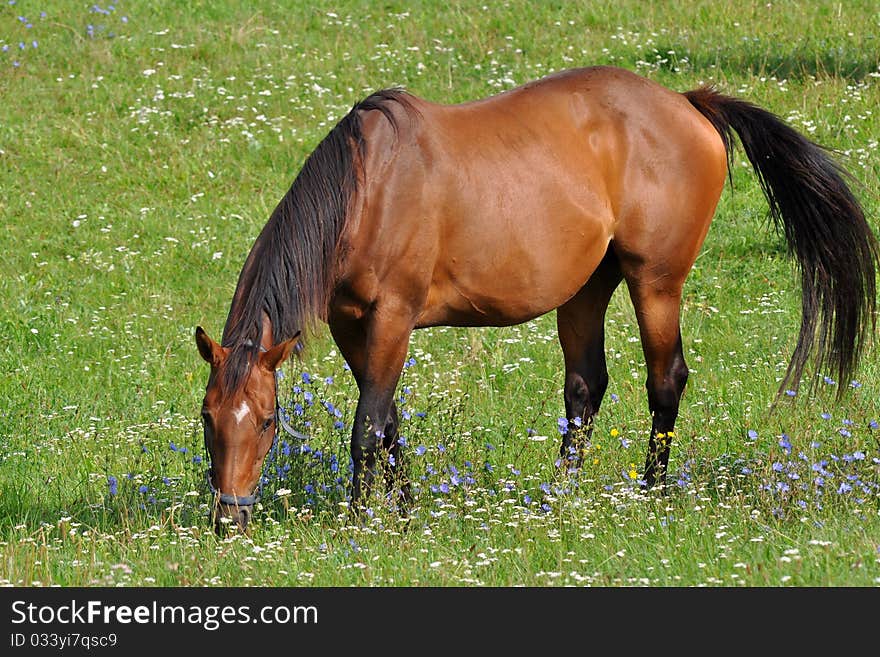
<point x="268" y="423"/>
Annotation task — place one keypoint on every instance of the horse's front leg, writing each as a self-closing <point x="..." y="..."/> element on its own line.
<point x="375" y="348"/>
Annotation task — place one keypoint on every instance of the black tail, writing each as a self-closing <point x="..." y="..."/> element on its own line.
<point x="824" y="226"/>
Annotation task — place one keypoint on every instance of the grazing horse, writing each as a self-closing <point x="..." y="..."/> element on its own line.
<point x="412" y="214"/>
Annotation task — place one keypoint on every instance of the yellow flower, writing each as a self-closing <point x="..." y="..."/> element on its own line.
<point x="614" y="433"/>
<point x="595" y="461"/>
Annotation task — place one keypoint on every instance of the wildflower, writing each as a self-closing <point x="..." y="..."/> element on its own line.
<point x="752" y="434"/>
<point x="306" y="377"/>
<point x="614" y="433"/>
<point x="173" y="446"/>
<point x="790" y="393"/>
<point x="197" y="459"/>
<point x="826" y="416"/>
<point x="112" y="484"/>
<point x="855" y="384"/>
<point x="562" y="425"/>
<point x="633" y="473"/>
<point x="614" y="398"/>
<point x="142" y="489"/>
<point x="785" y="443"/>
<point x="421" y="449"/>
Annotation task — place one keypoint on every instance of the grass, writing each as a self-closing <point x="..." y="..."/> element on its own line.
<point x="142" y="148"/>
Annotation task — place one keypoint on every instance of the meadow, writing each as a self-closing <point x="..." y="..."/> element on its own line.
<point x="143" y="147"/>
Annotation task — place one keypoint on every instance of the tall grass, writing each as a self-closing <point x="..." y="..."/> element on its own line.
<point x="143" y="147"/>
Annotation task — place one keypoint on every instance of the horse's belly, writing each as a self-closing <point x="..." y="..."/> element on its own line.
<point x="497" y="286"/>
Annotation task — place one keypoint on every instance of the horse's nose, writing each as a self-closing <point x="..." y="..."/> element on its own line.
<point x="232" y="516"/>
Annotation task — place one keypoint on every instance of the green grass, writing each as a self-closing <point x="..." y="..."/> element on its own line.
<point x="141" y="157"/>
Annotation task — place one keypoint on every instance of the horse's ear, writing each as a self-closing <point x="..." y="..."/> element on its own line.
<point x="210" y="350"/>
<point x="273" y="358"/>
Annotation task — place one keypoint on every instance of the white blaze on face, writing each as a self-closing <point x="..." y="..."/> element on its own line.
<point x="241" y="412"/>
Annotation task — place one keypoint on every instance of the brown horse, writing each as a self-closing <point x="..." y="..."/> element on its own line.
<point x="489" y="213"/>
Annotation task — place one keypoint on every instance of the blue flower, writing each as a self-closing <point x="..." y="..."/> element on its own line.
<point x="142" y="489"/>
<point x="826" y="416"/>
<point x="790" y="393"/>
<point x="421" y="449"/>
<point x="752" y="434"/>
<point x="562" y="425"/>
<point x="306" y="377"/>
<point x="855" y="384"/>
<point x="785" y="443"/>
<point x="112" y="485"/>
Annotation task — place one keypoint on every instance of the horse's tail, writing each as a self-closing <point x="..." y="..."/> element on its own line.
<point x="824" y="227"/>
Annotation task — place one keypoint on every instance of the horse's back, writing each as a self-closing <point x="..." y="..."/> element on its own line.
<point x="503" y="207"/>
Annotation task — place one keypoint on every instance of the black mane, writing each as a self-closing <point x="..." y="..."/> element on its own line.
<point x="288" y="275"/>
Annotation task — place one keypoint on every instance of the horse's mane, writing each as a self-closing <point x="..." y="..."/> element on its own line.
<point x="288" y="275"/>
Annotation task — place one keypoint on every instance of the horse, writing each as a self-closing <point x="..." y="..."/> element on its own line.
<point x="493" y="212"/>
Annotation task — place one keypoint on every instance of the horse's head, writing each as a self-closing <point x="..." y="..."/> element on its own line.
<point x="239" y="422"/>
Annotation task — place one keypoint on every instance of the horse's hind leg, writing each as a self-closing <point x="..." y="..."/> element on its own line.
<point x="657" y="302"/>
<point x="581" y="326"/>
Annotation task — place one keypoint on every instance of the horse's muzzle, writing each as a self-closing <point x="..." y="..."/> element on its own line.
<point x="232" y="516"/>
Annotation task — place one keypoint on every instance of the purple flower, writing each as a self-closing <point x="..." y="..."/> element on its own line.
<point x="785" y="443"/>
<point x="752" y="434"/>
<point x="112" y="485"/>
<point x="421" y="449"/>
<point x="142" y="489"/>
<point x="562" y="425"/>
